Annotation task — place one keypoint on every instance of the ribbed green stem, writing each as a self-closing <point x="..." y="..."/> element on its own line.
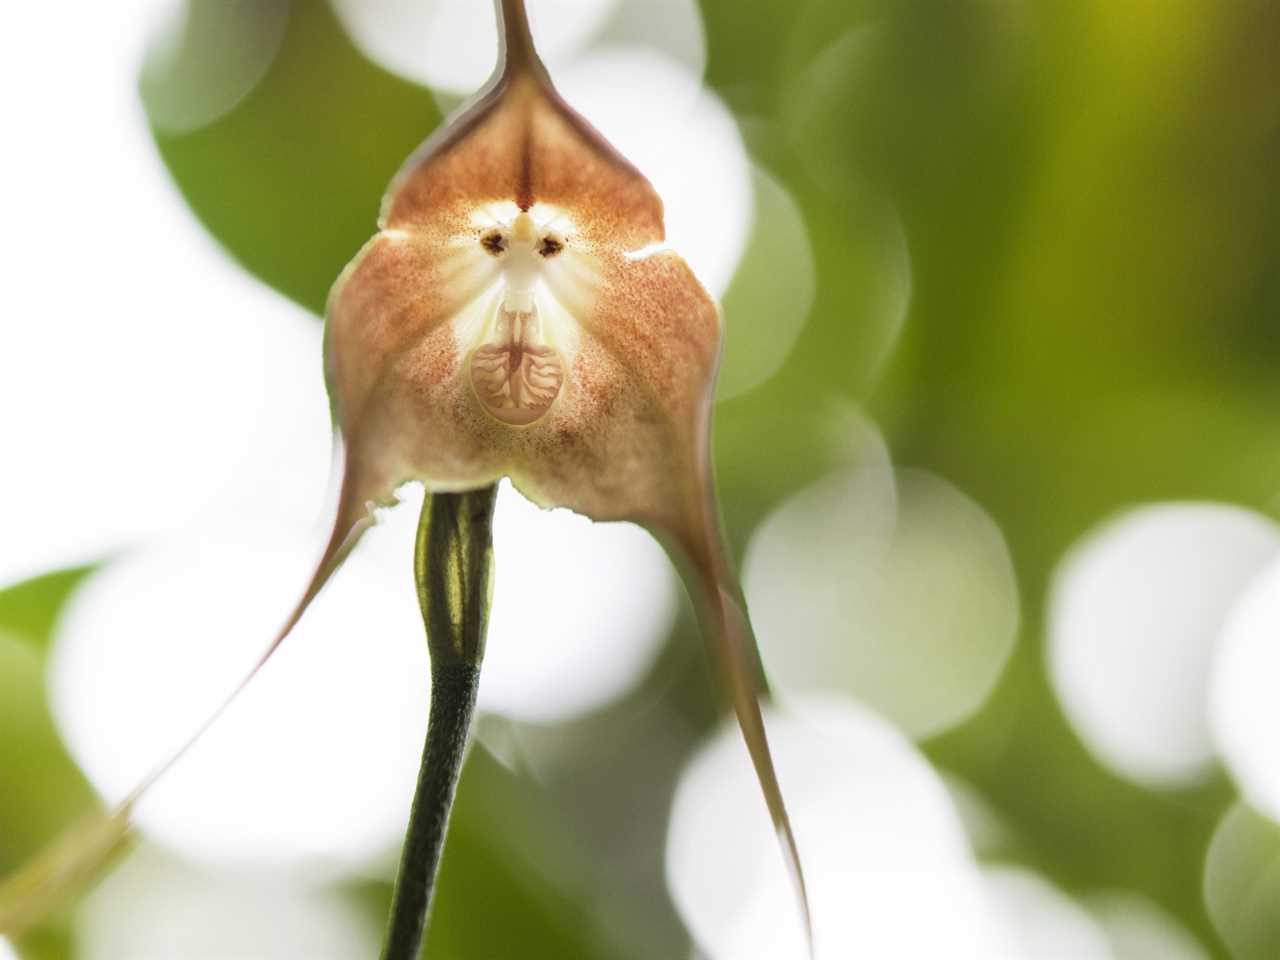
<point x="453" y="571"/>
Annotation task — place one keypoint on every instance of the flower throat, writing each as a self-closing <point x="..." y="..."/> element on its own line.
<point x="515" y="373"/>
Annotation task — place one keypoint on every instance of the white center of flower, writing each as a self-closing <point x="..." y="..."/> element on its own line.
<point x="515" y="372"/>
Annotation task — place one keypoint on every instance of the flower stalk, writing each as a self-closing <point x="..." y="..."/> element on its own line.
<point x="453" y="573"/>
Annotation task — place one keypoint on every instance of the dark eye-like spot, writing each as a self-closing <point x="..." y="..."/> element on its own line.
<point x="494" y="242"/>
<point x="550" y="246"/>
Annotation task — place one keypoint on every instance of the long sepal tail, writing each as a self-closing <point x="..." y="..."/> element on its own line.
<point x="81" y="854"/>
<point x="701" y="555"/>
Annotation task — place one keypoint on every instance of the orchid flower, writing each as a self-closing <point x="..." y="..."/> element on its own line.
<point x="518" y="315"/>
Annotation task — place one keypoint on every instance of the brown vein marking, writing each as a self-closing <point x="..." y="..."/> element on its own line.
<point x="524" y="182"/>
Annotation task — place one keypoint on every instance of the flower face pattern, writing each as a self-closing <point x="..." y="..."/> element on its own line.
<point x="516" y="315"/>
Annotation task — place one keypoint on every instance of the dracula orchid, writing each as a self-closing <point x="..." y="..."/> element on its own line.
<point x="517" y="315"/>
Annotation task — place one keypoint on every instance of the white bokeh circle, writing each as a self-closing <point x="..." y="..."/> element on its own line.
<point x="882" y="846"/>
<point x="896" y="589"/>
<point x="153" y="906"/>
<point x="1244" y="708"/>
<point x="1135" y="613"/>
<point x="682" y="138"/>
<point x="145" y="380"/>
<point x="452" y="45"/>
<point x="205" y="58"/>
<point x="1139" y="929"/>
<point x="580" y="610"/>
<point x="317" y="760"/>
<point x="768" y="301"/>
<point x="1039" y="921"/>
<point x="6" y="951"/>
<point x="672" y="27"/>
<point x="988" y="832"/>
<point x="1242" y="883"/>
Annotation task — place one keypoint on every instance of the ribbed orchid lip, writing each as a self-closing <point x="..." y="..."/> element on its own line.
<point x="520" y="342"/>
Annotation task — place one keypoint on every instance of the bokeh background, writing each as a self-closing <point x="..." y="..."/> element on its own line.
<point x="997" y="447"/>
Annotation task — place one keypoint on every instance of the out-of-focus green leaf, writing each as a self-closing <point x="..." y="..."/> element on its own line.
<point x="28" y="610"/>
<point x="503" y="850"/>
<point x="513" y="883"/>
<point x="75" y="859"/>
<point x="290" y="180"/>
<point x="1242" y="884"/>
<point x="43" y="790"/>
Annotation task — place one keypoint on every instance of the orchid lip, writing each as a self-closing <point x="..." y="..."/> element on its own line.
<point x="515" y="375"/>
<point x="514" y="358"/>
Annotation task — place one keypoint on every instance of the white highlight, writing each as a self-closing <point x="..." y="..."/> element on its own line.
<point x="1138" y="929"/>
<point x="1039" y="921"/>
<point x="1135" y="614"/>
<point x="671" y="27"/>
<point x="1242" y="883"/>
<point x="1244" y="706"/>
<point x="452" y="45"/>
<point x="145" y="380"/>
<point x="768" y="302"/>
<point x="881" y="846"/>
<point x="317" y="760"/>
<point x="634" y="70"/>
<point x="502" y="213"/>
<point x="647" y="251"/>
<point x="580" y="610"/>
<point x="6" y="951"/>
<point x="898" y="591"/>
<point x="989" y="835"/>
<point x="153" y="906"/>
<point x="813" y="101"/>
<point x="207" y="57"/>
<point x="653" y="110"/>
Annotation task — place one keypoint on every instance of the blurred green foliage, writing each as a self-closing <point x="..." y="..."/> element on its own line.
<point x="43" y="790"/>
<point x="1088" y="198"/>
<point x="1242" y="882"/>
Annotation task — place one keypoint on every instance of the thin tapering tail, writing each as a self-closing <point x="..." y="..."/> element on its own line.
<point x="702" y="554"/>
<point x="84" y="851"/>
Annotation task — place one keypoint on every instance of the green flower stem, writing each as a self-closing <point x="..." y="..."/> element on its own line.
<point x="453" y="697"/>
<point x="453" y="571"/>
